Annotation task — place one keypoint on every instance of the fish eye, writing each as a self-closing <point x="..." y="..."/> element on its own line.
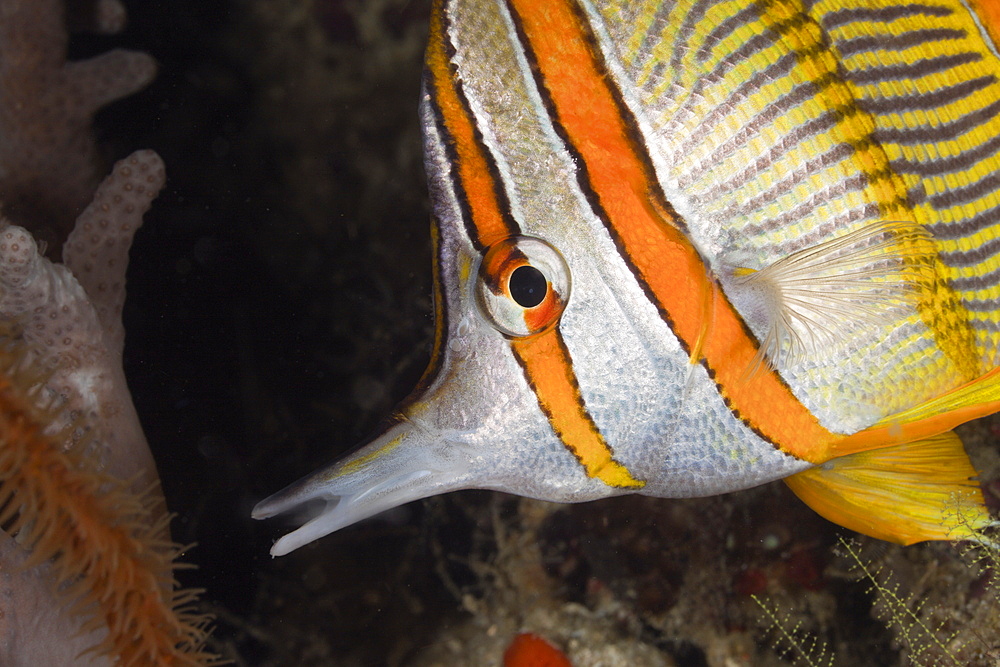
<point x="527" y="286"/>
<point x="522" y="286"/>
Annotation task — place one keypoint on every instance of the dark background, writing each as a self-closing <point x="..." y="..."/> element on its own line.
<point x="278" y="293"/>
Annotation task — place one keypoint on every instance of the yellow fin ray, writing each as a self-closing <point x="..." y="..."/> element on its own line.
<point x="813" y="297"/>
<point x="970" y="401"/>
<point x="905" y="493"/>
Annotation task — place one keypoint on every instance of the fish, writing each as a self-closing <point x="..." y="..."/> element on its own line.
<point x="688" y="247"/>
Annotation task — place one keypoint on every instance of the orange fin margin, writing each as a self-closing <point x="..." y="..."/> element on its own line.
<point x="906" y="493"/>
<point x="978" y="398"/>
<point x="989" y="14"/>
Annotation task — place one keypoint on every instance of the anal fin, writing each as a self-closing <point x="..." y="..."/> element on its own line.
<point x="970" y="401"/>
<point x="907" y="493"/>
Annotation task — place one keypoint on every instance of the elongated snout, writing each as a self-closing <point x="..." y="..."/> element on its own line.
<point x="404" y="463"/>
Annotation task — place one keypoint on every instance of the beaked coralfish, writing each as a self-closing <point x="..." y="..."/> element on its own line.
<point x="689" y="247"/>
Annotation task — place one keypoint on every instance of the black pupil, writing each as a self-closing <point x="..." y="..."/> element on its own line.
<point x="527" y="286"/>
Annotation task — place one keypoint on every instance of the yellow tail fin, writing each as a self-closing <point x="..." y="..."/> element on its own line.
<point x="908" y="493"/>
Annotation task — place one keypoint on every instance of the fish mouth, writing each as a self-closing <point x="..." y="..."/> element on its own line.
<point x="402" y="464"/>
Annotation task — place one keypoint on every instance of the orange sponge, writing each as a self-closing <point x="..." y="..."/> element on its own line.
<point x="530" y="650"/>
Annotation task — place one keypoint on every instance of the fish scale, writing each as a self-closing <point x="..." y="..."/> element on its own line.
<point x="763" y="240"/>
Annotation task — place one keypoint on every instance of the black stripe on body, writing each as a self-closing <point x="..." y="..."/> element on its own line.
<point x="914" y="70"/>
<point x="917" y="101"/>
<point x="973" y="283"/>
<point x="966" y="227"/>
<point x="842" y="17"/>
<point x="954" y="129"/>
<point x="946" y="165"/>
<point x="724" y="30"/>
<point x="962" y="258"/>
<point x="966" y="194"/>
<point x="896" y="42"/>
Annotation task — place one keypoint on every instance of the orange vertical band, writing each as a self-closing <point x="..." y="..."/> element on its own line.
<point x="544" y="358"/>
<point x="477" y="179"/>
<point x="616" y="173"/>
<point x="548" y="368"/>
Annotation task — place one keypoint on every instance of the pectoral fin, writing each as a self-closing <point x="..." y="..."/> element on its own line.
<point x="905" y="493"/>
<point x="817" y="296"/>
